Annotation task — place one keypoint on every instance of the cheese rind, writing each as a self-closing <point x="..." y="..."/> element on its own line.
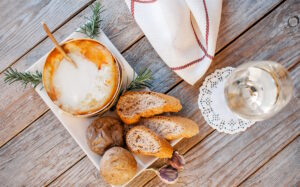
<point x="87" y="88"/>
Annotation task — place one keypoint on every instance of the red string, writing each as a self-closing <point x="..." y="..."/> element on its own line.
<point x="145" y="1"/>
<point x="189" y="64"/>
<point x="199" y="43"/>
<point x="207" y="23"/>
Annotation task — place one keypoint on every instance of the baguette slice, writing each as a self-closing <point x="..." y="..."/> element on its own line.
<point x="141" y="140"/>
<point x="171" y="127"/>
<point x="134" y="105"/>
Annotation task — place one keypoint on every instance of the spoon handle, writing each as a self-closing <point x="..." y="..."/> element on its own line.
<point x="57" y="46"/>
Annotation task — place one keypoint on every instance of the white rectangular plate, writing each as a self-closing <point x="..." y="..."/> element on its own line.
<point x="77" y="126"/>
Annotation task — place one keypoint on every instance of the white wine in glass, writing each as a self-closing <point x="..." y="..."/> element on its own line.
<point x="258" y="90"/>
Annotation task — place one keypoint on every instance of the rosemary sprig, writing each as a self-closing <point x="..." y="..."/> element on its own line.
<point x="142" y="80"/>
<point x="12" y="75"/>
<point x="92" y="27"/>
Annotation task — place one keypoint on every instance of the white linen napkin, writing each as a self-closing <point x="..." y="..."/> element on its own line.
<point x="183" y="32"/>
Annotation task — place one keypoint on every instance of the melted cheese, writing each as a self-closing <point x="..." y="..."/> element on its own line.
<point x="84" y="88"/>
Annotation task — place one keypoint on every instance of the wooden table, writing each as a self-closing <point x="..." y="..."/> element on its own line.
<point x="36" y="150"/>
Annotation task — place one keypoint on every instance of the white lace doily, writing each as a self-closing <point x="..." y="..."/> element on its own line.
<point x="213" y="106"/>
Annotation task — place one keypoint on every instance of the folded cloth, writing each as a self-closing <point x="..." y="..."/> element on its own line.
<point x="183" y="32"/>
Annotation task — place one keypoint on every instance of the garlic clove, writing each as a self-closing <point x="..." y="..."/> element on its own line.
<point x="177" y="161"/>
<point x="168" y="174"/>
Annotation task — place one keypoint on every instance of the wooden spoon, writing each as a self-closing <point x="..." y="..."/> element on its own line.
<point x="57" y="46"/>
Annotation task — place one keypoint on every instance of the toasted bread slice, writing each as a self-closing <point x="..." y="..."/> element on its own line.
<point x="141" y="140"/>
<point x="171" y="127"/>
<point x="134" y="105"/>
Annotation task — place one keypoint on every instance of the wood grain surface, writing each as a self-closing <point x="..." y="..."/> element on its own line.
<point x="281" y="47"/>
<point x="123" y="31"/>
<point x="38" y="154"/>
<point x="88" y="175"/>
<point x="36" y="150"/>
<point x="240" y="15"/>
<point x="189" y="100"/>
<point x="282" y="170"/>
<point x="20" y="22"/>
<point x="19" y="107"/>
<point x="188" y="96"/>
<point x="226" y="160"/>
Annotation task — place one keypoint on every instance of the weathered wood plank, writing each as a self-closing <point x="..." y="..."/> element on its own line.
<point x="295" y="75"/>
<point x="187" y="96"/>
<point x="118" y="24"/>
<point x="271" y="39"/>
<point x="141" y="55"/>
<point x="80" y="158"/>
<point x="188" y="99"/>
<point x="282" y="170"/>
<point x="276" y="50"/>
<point x="18" y="106"/>
<point x="183" y="91"/>
<point x="69" y="177"/>
<point x="38" y="154"/>
<point x="31" y="58"/>
<point x="226" y="160"/>
<point x="240" y="15"/>
<point x="20" y="28"/>
<point x="122" y="30"/>
<point x="8" y="147"/>
<point x="89" y="176"/>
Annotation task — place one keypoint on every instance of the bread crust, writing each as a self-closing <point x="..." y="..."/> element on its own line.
<point x="165" y="150"/>
<point x="189" y="127"/>
<point x="117" y="166"/>
<point x="103" y="133"/>
<point x="171" y="104"/>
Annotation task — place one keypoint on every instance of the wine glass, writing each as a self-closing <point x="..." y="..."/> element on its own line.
<point x="258" y="90"/>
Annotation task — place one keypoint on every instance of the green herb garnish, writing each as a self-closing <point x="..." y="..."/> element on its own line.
<point x="92" y="27"/>
<point x="12" y="75"/>
<point x="142" y="80"/>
